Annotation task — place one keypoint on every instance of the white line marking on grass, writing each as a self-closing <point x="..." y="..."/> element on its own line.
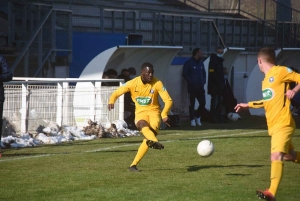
<point x="228" y="135"/>
<point x="127" y="145"/>
<point x="107" y="148"/>
<point x="25" y="157"/>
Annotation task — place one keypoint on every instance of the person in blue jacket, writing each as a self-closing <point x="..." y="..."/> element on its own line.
<point x="5" y="76"/>
<point x="195" y="76"/>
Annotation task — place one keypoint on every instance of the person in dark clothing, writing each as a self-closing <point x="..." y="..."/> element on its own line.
<point x="229" y="101"/>
<point x="105" y="76"/>
<point x="132" y="72"/>
<point x="195" y="76"/>
<point x="295" y="101"/>
<point x="124" y="75"/>
<point x="112" y="75"/>
<point x="5" y="76"/>
<point x="216" y="85"/>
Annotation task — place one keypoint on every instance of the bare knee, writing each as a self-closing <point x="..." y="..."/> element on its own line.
<point x="141" y="124"/>
<point x="277" y="156"/>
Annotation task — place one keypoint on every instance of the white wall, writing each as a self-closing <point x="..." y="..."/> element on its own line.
<point x="243" y="65"/>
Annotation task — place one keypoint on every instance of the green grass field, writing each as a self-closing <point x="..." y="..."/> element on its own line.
<point x="97" y="170"/>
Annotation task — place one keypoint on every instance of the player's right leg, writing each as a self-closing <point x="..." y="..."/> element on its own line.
<point x="280" y="143"/>
<point x="154" y="122"/>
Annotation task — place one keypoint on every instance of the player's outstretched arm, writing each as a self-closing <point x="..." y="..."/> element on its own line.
<point x="116" y="94"/>
<point x="241" y="106"/>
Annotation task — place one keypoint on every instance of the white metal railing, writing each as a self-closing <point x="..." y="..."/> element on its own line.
<point x="34" y="102"/>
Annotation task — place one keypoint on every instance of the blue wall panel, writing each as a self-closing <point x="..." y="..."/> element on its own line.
<point x="86" y="46"/>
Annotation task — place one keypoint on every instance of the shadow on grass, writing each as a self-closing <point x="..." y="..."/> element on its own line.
<point x="195" y="168"/>
<point x="116" y="151"/>
<point x="242" y="175"/>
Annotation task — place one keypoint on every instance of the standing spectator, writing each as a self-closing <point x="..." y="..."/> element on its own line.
<point x="132" y="72"/>
<point x="195" y="76"/>
<point x="5" y="76"/>
<point x="216" y="85"/>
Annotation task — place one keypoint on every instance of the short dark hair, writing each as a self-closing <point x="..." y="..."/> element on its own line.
<point x="147" y="64"/>
<point x="268" y="54"/>
<point x="124" y="70"/>
<point x="196" y="50"/>
<point x="112" y="72"/>
<point x="132" y="70"/>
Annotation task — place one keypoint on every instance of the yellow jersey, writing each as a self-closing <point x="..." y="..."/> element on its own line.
<point x="145" y="96"/>
<point x="275" y="102"/>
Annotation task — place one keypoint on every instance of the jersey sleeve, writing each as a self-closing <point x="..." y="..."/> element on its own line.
<point x="118" y="92"/>
<point x="256" y="104"/>
<point x="288" y="75"/>
<point x="163" y="93"/>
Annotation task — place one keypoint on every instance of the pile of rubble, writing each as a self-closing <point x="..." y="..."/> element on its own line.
<point x="53" y="134"/>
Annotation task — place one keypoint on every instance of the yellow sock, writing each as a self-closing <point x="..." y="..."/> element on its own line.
<point x="297" y="157"/>
<point x="276" y="174"/>
<point x="149" y="135"/>
<point x="141" y="152"/>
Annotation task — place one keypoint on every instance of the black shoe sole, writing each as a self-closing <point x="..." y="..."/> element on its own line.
<point x="154" y="145"/>
<point x="133" y="169"/>
<point x="262" y="196"/>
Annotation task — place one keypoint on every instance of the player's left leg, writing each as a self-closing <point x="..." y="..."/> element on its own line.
<point x="293" y="155"/>
<point x="139" y="155"/>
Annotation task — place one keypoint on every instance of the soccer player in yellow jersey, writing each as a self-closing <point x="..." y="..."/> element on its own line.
<point x="276" y="102"/>
<point x="144" y="92"/>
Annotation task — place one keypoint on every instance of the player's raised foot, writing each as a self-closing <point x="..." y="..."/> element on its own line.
<point x="133" y="168"/>
<point x="154" y="145"/>
<point x="266" y="195"/>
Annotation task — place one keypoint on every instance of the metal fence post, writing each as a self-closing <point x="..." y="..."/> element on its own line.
<point x="121" y="105"/>
<point x="65" y="103"/>
<point x="24" y="108"/>
<point x="59" y="103"/>
<point x="94" y="102"/>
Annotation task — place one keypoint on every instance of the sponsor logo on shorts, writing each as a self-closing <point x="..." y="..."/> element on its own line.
<point x="143" y="101"/>
<point x="268" y="94"/>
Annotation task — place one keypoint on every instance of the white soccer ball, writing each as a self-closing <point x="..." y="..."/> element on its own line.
<point x="233" y="116"/>
<point x="205" y="148"/>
